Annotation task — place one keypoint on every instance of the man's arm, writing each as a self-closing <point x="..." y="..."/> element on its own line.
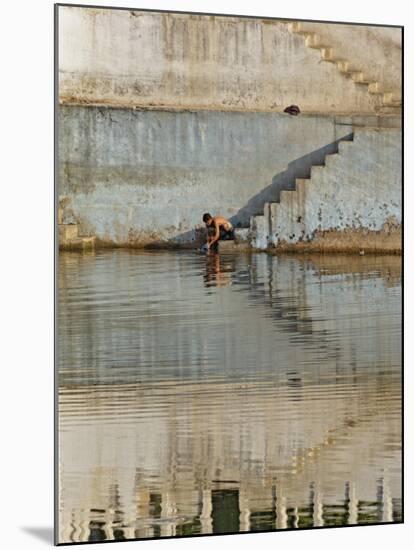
<point x="212" y="240"/>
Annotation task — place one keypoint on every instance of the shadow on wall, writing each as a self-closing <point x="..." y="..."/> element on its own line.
<point x="299" y="168"/>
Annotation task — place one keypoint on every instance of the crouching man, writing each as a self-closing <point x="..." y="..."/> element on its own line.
<point x="218" y="228"/>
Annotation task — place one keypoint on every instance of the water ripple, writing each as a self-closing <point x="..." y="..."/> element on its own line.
<point x="227" y="393"/>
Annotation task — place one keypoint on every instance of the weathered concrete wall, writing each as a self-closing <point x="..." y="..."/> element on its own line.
<point x="136" y="177"/>
<point x="166" y="116"/>
<point x="210" y="62"/>
<point x="352" y="202"/>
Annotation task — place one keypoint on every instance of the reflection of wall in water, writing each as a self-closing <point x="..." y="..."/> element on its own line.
<point x="276" y="313"/>
<point x="195" y="408"/>
<point x="184" y="443"/>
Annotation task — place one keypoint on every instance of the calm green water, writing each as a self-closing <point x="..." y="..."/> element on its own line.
<point x="228" y="393"/>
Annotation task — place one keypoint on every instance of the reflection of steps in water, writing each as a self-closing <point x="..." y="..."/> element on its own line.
<point x="275" y="311"/>
<point x="330" y="312"/>
<point x="228" y="511"/>
<point x="252" y="442"/>
<point x="302" y="419"/>
<point x="294" y="403"/>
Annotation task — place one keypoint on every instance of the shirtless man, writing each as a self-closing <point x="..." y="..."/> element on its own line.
<point x="217" y="228"/>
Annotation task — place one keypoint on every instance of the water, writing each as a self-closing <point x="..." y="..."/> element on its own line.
<point x="229" y="393"/>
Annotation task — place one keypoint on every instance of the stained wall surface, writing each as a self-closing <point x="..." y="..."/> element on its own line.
<point x="158" y="60"/>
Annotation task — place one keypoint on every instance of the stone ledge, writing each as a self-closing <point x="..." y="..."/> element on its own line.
<point x="78" y="243"/>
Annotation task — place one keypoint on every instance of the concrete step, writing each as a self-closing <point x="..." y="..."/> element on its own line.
<point x="67" y="232"/>
<point x="373" y="121"/>
<point x="259" y="232"/>
<point x="312" y="40"/>
<point x="302" y="185"/>
<point x="266" y="210"/>
<point x="241" y="234"/>
<point x="286" y="195"/>
<point x="331" y="159"/>
<point x="327" y="54"/>
<point x="391" y="110"/>
<point x="287" y="217"/>
<point x="233" y="246"/>
<point x="79" y="243"/>
<point x="360" y="78"/>
<point x="375" y="88"/>
<point x="296" y="216"/>
<point x="345" y="66"/>
<point x="303" y="27"/>
<point x="287" y="223"/>
<point x="392" y="98"/>
<point x="273" y="209"/>
<point x="331" y="202"/>
<point x="315" y="170"/>
<point x="296" y="26"/>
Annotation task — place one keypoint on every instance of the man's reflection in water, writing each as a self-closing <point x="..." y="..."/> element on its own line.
<point x="218" y="270"/>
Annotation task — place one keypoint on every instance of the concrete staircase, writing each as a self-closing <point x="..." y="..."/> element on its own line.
<point x="260" y="234"/>
<point x="390" y="99"/>
<point x="358" y="187"/>
<point x="69" y="238"/>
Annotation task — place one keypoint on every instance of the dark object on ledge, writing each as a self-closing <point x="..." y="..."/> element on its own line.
<point x="292" y="110"/>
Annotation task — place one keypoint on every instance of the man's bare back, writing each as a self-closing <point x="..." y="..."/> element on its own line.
<point x="218" y="227"/>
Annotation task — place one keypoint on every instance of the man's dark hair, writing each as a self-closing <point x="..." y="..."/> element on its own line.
<point x="207" y="217"/>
